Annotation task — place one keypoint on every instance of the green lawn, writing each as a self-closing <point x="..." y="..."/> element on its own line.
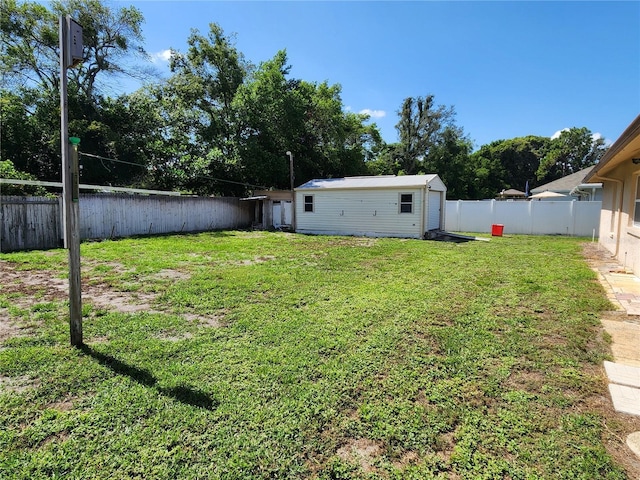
<point x="272" y="355"/>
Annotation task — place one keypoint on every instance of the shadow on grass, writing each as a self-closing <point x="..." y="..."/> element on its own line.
<point x="182" y="394"/>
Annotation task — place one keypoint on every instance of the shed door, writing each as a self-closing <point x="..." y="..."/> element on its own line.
<point x="287" y="210"/>
<point x="277" y="214"/>
<point x="433" y="221"/>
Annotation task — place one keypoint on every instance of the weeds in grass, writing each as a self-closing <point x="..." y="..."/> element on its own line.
<point x="330" y="358"/>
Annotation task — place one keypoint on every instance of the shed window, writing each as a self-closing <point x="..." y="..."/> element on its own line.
<point x="308" y="203"/>
<point x="636" y="212"/>
<point x="406" y="203"/>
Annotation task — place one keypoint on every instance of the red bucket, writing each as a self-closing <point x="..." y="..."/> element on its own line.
<point x="496" y="230"/>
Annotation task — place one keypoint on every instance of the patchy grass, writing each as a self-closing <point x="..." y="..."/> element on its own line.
<point x="270" y="355"/>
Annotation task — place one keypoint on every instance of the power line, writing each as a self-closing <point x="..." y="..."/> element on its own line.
<point x="205" y="177"/>
<point x="83" y="186"/>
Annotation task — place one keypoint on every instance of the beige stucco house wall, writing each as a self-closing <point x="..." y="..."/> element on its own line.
<point x="619" y="172"/>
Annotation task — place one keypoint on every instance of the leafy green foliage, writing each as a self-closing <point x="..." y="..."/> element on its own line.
<point x="31" y="105"/>
<point x="30" y="48"/>
<point x="507" y="164"/>
<point x="279" y="114"/>
<point x="573" y="150"/>
<point x="8" y="170"/>
<point x="429" y="142"/>
<point x="420" y="124"/>
<point x="220" y="125"/>
<point x="512" y="163"/>
<point x="335" y="358"/>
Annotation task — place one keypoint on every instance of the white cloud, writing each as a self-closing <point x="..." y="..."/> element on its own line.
<point x="595" y="136"/>
<point x="374" y="113"/>
<point x="557" y="134"/>
<point x="161" y="57"/>
<point x="598" y="135"/>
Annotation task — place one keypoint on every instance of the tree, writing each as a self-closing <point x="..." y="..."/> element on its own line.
<point x="421" y="122"/>
<point x="429" y="142"/>
<point x="28" y="139"/>
<point x="196" y="104"/>
<point x="127" y="129"/>
<point x="271" y="120"/>
<point x="335" y="143"/>
<point x="29" y="56"/>
<point x="449" y="158"/>
<point x="8" y="170"/>
<point x="506" y="164"/>
<point x="276" y="114"/>
<point x="29" y="61"/>
<point x="573" y="150"/>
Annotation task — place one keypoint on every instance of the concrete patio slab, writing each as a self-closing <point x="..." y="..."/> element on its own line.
<point x="633" y="442"/>
<point x="625" y="399"/>
<point x="623" y="374"/>
<point x="625" y="341"/>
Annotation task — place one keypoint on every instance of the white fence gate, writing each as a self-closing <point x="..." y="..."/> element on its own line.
<point x="581" y="219"/>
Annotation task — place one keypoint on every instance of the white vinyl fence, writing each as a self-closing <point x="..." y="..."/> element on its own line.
<point x="28" y="223"/>
<point x="581" y="219"/>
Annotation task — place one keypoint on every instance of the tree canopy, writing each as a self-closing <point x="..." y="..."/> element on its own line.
<point x="573" y="150"/>
<point x="221" y="125"/>
<point x="505" y="164"/>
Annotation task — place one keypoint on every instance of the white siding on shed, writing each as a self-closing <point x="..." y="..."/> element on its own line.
<point x="362" y="212"/>
<point x="376" y="206"/>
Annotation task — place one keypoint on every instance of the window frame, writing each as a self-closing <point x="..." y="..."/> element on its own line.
<point x="305" y="203"/>
<point x="402" y="203"/>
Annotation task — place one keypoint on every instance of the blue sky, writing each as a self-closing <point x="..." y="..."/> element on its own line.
<point x="509" y="68"/>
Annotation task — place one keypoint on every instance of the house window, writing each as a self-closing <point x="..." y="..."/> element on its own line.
<point x="308" y="203"/>
<point x="636" y="212"/>
<point x="406" y="203"/>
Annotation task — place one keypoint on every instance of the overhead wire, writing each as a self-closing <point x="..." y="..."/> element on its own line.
<point x="205" y="177"/>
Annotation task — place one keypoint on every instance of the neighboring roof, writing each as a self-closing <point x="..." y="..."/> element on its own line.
<point x="275" y="195"/>
<point x="381" y="181"/>
<point x="256" y="197"/>
<point x="512" y="192"/>
<point x="624" y="148"/>
<point x="566" y="183"/>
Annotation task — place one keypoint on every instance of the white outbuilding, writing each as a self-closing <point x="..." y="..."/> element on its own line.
<point x="405" y="206"/>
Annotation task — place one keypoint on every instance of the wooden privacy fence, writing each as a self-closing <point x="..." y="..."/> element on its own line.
<point x="28" y="223"/>
<point x="581" y="219"/>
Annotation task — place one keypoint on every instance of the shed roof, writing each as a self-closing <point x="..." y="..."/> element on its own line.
<point x="381" y="181"/>
<point x="566" y="183"/>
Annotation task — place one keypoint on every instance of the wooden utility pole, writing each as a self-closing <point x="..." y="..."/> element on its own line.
<point x="293" y="195"/>
<point x="70" y="34"/>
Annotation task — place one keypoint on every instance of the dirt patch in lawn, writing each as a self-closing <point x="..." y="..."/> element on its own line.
<point x="27" y="288"/>
<point x="9" y="329"/>
<point x="354" y="242"/>
<point x="254" y="261"/>
<point x="18" y="384"/>
<point x="171" y="275"/>
<point x="361" y="451"/>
